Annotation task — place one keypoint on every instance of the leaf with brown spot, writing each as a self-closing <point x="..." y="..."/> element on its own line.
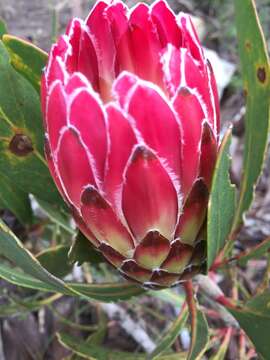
<point x="26" y="58"/>
<point x="21" y="135"/>
<point x="256" y="76"/>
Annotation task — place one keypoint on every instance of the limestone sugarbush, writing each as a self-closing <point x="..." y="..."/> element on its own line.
<point x="131" y="117"/>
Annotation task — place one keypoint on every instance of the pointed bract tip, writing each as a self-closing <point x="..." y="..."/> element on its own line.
<point x="90" y="196"/>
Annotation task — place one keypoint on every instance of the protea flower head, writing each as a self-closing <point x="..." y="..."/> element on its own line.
<point x="132" y="121"/>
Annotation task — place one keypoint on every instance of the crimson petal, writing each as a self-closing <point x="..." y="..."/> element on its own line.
<point x="152" y="250"/>
<point x="190" y="38"/>
<point x="99" y="26"/>
<point x="178" y="258"/>
<point x="194" y="212"/>
<point x="113" y="256"/>
<point x="164" y="278"/>
<point x="87" y="61"/>
<point x="208" y="154"/>
<point x="191" y="115"/>
<point x="145" y="44"/>
<point x="213" y="86"/>
<point x="136" y="272"/>
<point x="122" y="86"/>
<point x="43" y="98"/>
<point x="197" y="79"/>
<point x="83" y="227"/>
<point x="55" y="69"/>
<point x="117" y="16"/>
<point x="56" y="117"/>
<point x="157" y="124"/>
<point x="165" y="21"/>
<point x="73" y="166"/>
<point x="122" y="140"/>
<point x="87" y="117"/>
<point x="52" y="168"/>
<point x="149" y="197"/>
<point x="103" y="222"/>
<point x="171" y="67"/>
<point x="76" y="81"/>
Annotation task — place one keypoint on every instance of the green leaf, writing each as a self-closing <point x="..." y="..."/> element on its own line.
<point x="15" y="200"/>
<point x="3" y="29"/>
<point x="17" y="277"/>
<point x="255" y="253"/>
<point x="221" y="206"/>
<point x="55" y="260"/>
<point x="102" y="292"/>
<point x="83" y="251"/>
<point x="57" y="215"/>
<point x="109" y="291"/>
<point x="13" y="250"/>
<point x="21" y="133"/>
<point x="254" y="319"/>
<point x="97" y="338"/>
<point x="36" y="277"/>
<point x="27" y="59"/>
<point x="169" y="338"/>
<point x="92" y="352"/>
<point x="169" y="296"/>
<point x="256" y="77"/>
<point x="220" y="355"/>
<point x="18" y="306"/>
<point x="200" y="337"/>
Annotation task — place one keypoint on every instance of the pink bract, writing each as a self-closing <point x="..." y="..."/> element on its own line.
<point x="131" y="117"/>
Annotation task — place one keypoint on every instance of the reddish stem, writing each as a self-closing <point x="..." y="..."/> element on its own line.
<point x="227" y="302"/>
<point x="192" y="308"/>
<point x="191" y="302"/>
<point x="220" y="261"/>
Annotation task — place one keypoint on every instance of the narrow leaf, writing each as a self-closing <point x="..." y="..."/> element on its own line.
<point x="27" y="59"/>
<point x="109" y="291"/>
<point x="169" y="338"/>
<point x="254" y="319"/>
<point x="169" y="296"/>
<point x="22" y="135"/>
<point x="200" y="337"/>
<point x="37" y="277"/>
<point x="102" y="292"/>
<point x="221" y="207"/>
<point x="57" y="214"/>
<point x="16" y="277"/>
<point x="256" y="252"/>
<point x="83" y="251"/>
<point x="15" y="200"/>
<point x="220" y="355"/>
<point x="18" y="306"/>
<point x="92" y="352"/>
<point x="256" y="76"/>
<point x="13" y="250"/>
<point x="55" y="260"/>
<point x="3" y="29"/>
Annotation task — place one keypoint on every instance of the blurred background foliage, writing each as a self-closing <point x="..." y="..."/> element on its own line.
<point x="31" y="321"/>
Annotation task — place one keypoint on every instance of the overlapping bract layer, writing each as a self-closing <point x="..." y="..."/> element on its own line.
<point x="132" y="121"/>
